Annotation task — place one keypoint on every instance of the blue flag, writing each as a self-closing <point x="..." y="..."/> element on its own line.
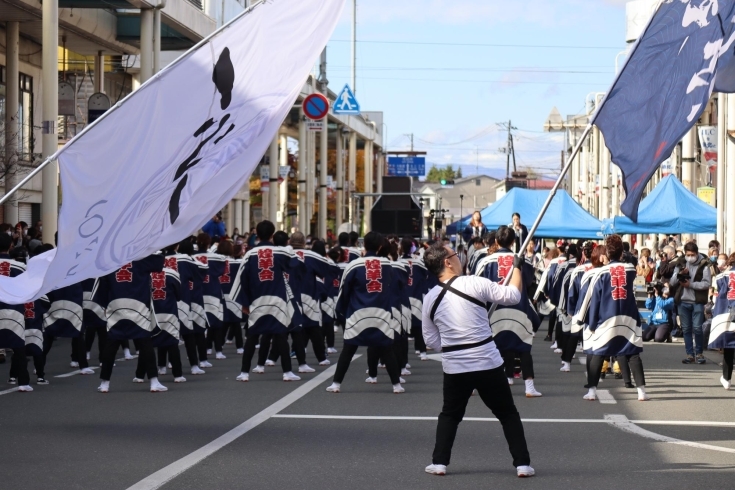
<point x="684" y="54"/>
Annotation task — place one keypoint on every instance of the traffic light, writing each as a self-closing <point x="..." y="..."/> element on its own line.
<point x="446" y="182"/>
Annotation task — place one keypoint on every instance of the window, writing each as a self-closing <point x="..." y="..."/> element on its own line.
<point x="25" y="114"/>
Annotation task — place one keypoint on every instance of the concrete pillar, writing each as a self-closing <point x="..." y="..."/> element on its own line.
<point x="230" y="220"/>
<point x="273" y="181"/>
<point x="368" y="174"/>
<point x="50" y="113"/>
<point x="615" y="191"/>
<point x="595" y="171"/>
<point x="99" y="72"/>
<point x="12" y="122"/>
<point x="688" y="151"/>
<point x="156" y="40"/>
<point x="301" y="206"/>
<point x="352" y="175"/>
<point x="720" y="183"/>
<point x="283" y="186"/>
<point x="730" y="177"/>
<point x="340" y="181"/>
<point x="381" y="172"/>
<point x="246" y="210"/>
<point x="323" y="204"/>
<point x="237" y="204"/>
<point x="146" y="44"/>
<point x="604" y="179"/>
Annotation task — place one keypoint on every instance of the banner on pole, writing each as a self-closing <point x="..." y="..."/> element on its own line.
<point x="180" y="147"/>
<point x="708" y="142"/>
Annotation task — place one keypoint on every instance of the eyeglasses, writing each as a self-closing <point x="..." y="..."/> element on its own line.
<point x="450" y="256"/>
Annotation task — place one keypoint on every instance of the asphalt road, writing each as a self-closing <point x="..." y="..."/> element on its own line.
<point x="213" y="432"/>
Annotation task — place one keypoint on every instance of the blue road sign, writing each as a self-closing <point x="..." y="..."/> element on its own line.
<point x="316" y="106"/>
<point x="346" y="102"/>
<point x="406" y="166"/>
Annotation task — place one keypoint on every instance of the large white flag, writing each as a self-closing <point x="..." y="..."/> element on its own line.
<point x="178" y="149"/>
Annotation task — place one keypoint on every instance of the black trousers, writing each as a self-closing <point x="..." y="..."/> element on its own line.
<point x="635" y="364"/>
<point x="552" y="322"/>
<point x="400" y="347"/>
<point x="374" y="355"/>
<point x="281" y="342"/>
<point x="298" y="345"/>
<point x="494" y="391"/>
<point x="317" y="342"/>
<point x="146" y="355"/>
<point x="509" y="358"/>
<point x="234" y="331"/>
<point x="658" y="333"/>
<point x="569" y="346"/>
<point x="89" y="335"/>
<point x="191" y="349"/>
<point x="171" y="353"/>
<point x="216" y="336"/>
<point x="78" y="353"/>
<point x="418" y="339"/>
<point x="19" y="367"/>
<point x="328" y="332"/>
<point x="200" y="339"/>
<point x="727" y="357"/>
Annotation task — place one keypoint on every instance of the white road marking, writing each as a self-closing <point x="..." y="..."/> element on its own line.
<point x="622" y="423"/>
<point x="492" y="419"/>
<point x="164" y="475"/>
<point x="73" y="373"/>
<point x="606" y="397"/>
<point x="11" y="390"/>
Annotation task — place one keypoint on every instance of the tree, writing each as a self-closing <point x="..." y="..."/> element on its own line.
<point x="459" y="173"/>
<point x="436" y="174"/>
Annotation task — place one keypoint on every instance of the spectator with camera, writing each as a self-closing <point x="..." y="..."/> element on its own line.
<point x="694" y="281"/>
<point x="661" y="305"/>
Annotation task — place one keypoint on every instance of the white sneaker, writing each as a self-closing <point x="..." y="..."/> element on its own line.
<point x="258" y="370"/>
<point x="270" y="363"/>
<point x="557" y="351"/>
<point x="333" y="388"/>
<point x="26" y="388"/>
<point x="331" y="350"/>
<point x="325" y="362"/>
<point x="643" y="398"/>
<point x="205" y="364"/>
<point x="104" y="387"/>
<point x="398" y="389"/>
<point x="161" y="371"/>
<point x="74" y="364"/>
<point x="128" y="356"/>
<point x="525" y="471"/>
<point x="565" y="367"/>
<point x="228" y="342"/>
<point x="289" y="376"/>
<point x="436" y="469"/>
<point x="405" y="372"/>
<point x="88" y="356"/>
<point x="725" y="383"/>
<point x="157" y="387"/>
<point x="418" y="352"/>
<point x="372" y="381"/>
<point x="169" y="365"/>
<point x="197" y="370"/>
<point x="408" y="366"/>
<point x="220" y="355"/>
<point x="87" y="371"/>
<point x="180" y="379"/>
<point x="257" y="346"/>
<point x="382" y="366"/>
<point x="553" y="346"/>
<point x="305" y="368"/>
<point x="138" y="380"/>
<point x="209" y="352"/>
<point x="401" y="380"/>
<point x="245" y="377"/>
<point x="510" y="381"/>
<point x="423" y="356"/>
<point x="590" y="396"/>
<point x="240" y="350"/>
<point x="532" y="393"/>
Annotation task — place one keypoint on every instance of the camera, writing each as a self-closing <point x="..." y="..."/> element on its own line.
<point x="684" y="277"/>
<point x="657" y="287"/>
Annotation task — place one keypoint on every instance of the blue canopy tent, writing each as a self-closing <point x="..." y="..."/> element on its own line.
<point x="670" y="209"/>
<point x="565" y="218"/>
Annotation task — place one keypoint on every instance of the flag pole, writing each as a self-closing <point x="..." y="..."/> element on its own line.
<point x="151" y="80"/>
<point x="577" y="148"/>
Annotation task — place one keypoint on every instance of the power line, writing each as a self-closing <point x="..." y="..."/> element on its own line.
<point x="480" y="45"/>
<point x="475" y="69"/>
<point x="510" y="82"/>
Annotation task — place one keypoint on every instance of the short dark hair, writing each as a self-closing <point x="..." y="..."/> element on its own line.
<point x="280" y="238"/>
<point x="186" y="247"/>
<point x="596" y="254"/>
<point x="434" y="258"/>
<point x="203" y="242"/>
<point x="5" y="242"/>
<point x="615" y="246"/>
<point x="353" y="238"/>
<point x="41" y="249"/>
<point x="373" y="241"/>
<point x="505" y="236"/>
<point x="319" y="248"/>
<point x="626" y="246"/>
<point x="406" y="245"/>
<point x="384" y="248"/>
<point x="343" y="239"/>
<point x="335" y="253"/>
<point x="691" y="247"/>
<point x="574" y="251"/>
<point x="489" y="238"/>
<point x="714" y="244"/>
<point x="226" y="248"/>
<point x="516" y="214"/>
<point x="265" y="230"/>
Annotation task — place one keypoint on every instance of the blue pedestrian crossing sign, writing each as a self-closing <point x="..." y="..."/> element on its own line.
<point x="346" y="103"/>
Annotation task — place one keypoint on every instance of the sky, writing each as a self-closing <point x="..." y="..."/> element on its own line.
<point x="449" y="71"/>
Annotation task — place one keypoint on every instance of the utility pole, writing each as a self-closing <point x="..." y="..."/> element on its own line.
<point x="509" y="149"/>
<point x="354" y="46"/>
<point x="477" y="161"/>
<point x="410" y="136"/>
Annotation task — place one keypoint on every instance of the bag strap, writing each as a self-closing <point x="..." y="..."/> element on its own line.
<point x="448" y="287"/>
